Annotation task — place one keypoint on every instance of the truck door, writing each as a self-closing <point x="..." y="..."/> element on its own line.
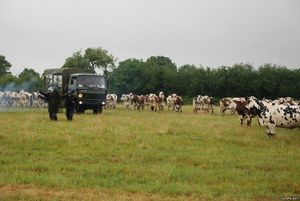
<point x="73" y="83"/>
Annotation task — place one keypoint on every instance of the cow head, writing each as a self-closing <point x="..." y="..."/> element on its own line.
<point x="254" y="105"/>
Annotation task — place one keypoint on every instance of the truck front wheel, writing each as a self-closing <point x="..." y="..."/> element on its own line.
<point x="79" y="110"/>
<point x="96" y="110"/>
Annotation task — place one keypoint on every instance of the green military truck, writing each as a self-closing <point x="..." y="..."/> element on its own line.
<point x="89" y="87"/>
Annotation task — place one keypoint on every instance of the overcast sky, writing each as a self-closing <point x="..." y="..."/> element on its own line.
<point x="40" y="34"/>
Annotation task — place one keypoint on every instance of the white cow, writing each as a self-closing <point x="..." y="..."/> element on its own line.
<point x="161" y="100"/>
<point x="126" y="98"/>
<point x="171" y="101"/>
<point x="111" y="100"/>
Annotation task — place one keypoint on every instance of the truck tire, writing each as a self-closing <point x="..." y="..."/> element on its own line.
<point x="95" y="111"/>
<point x="98" y="110"/>
<point x="79" y="110"/>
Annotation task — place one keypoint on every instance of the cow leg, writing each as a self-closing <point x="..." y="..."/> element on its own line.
<point x="249" y="121"/>
<point x="272" y="127"/>
<point x="195" y="110"/>
<point x="271" y="130"/>
<point x="271" y="135"/>
<point x="242" y="120"/>
<point x="221" y="111"/>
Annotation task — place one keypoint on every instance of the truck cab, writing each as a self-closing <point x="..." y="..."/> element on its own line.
<point x="90" y="90"/>
<point x="89" y="87"/>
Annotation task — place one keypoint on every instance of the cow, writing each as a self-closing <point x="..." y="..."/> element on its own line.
<point x="196" y="104"/>
<point x="285" y="101"/>
<point x="203" y="103"/>
<point x="227" y="104"/>
<point x="243" y="111"/>
<point x="153" y="102"/>
<point x="111" y="100"/>
<point x="170" y="101"/>
<point x="138" y="102"/>
<point x="36" y="101"/>
<point x="126" y="98"/>
<point x="178" y="104"/>
<point x="161" y="101"/>
<point x="272" y="115"/>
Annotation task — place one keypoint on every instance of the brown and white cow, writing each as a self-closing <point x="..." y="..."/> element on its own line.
<point x="243" y="111"/>
<point x="153" y="102"/>
<point x="227" y="104"/>
<point x="272" y="115"/>
<point x="139" y="102"/>
<point x="177" y="101"/>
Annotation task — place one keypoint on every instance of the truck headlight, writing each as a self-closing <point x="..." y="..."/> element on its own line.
<point x="80" y="102"/>
<point x="80" y="95"/>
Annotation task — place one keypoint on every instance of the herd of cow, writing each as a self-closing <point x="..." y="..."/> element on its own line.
<point x="282" y="112"/>
<point x="22" y="99"/>
<point x="152" y="101"/>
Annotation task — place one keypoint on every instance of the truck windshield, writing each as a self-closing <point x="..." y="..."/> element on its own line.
<point x="91" y="81"/>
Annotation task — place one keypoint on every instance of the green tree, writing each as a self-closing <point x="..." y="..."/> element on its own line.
<point x="130" y="76"/>
<point x="77" y="60"/>
<point x="276" y="81"/>
<point x="4" y="66"/>
<point x="93" y="58"/>
<point x="188" y="78"/>
<point x="100" y="58"/>
<point x="161" y="73"/>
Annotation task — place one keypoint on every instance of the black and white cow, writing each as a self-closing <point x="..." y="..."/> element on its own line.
<point x="203" y="103"/>
<point x="272" y="115"/>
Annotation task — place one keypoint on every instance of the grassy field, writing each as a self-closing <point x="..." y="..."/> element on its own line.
<point x="131" y="155"/>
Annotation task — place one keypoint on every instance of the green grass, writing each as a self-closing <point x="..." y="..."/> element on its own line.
<point x="163" y="153"/>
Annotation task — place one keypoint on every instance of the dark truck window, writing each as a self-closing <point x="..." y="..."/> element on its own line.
<point x="91" y="81"/>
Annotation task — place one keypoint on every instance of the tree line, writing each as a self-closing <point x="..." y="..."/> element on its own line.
<point x="28" y="79"/>
<point x="239" y="80"/>
<point x="160" y="73"/>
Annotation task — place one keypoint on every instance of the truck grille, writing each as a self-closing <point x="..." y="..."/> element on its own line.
<point x="94" y="96"/>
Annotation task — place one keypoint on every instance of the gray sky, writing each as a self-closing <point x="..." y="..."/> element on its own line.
<point x="40" y="34"/>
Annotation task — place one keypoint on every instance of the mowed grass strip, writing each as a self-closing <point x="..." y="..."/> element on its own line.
<point x="195" y="156"/>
